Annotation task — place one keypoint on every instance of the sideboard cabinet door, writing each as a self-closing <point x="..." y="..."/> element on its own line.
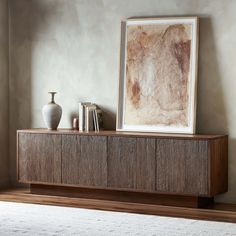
<point x="84" y="160"/>
<point x="131" y="163"/>
<point x="182" y="167"/>
<point x="39" y="158"/>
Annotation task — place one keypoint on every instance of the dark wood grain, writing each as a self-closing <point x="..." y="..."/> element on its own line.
<point x="84" y="160"/>
<point x="70" y="159"/>
<point x="119" y="195"/>
<point x="122" y="162"/>
<point x="39" y="158"/>
<point x="218" y="166"/>
<point x="146" y="164"/>
<point x="131" y="163"/>
<point x="162" y="164"/>
<point x="182" y="167"/>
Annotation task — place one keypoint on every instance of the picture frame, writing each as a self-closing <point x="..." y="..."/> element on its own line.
<point x="158" y="75"/>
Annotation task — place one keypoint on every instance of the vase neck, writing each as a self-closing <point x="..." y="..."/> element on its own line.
<point x="52" y="96"/>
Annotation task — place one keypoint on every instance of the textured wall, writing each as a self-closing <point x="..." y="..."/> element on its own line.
<point x="73" y="47"/>
<point x="3" y="92"/>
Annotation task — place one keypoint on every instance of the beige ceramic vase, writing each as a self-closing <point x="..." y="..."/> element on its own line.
<point x="52" y="113"/>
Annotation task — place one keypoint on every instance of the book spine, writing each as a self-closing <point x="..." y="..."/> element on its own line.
<point x="96" y="119"/>
<point x="81" y="117"/>
<point x="86" y="119"/>
<point x="90" y="118"/>
<point x="99" y="118"/>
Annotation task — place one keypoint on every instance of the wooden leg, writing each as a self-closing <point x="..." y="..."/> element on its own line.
<point x="122" y="196"/>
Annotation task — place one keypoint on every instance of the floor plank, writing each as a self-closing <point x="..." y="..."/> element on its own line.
<point x="217" y="212"/>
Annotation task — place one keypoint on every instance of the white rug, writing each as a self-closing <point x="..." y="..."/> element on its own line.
<point x="32" y="220"/>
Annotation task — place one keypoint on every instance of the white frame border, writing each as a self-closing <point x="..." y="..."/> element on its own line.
<point x="120" y="126"/>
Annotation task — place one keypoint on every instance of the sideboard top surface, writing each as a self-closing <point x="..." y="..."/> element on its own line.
<point x="120" y="133"/>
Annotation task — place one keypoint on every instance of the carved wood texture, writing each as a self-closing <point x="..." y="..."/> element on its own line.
<point x="195" y="167"/>
<point x="39" y="158"/>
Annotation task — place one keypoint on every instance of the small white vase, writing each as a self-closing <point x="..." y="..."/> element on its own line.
<point x="52" y="113"/>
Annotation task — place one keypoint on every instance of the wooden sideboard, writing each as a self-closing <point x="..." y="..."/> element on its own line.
<point x="146" y="167"/>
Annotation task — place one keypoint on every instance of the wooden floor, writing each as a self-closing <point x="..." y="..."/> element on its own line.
<point x="217" y="212"/>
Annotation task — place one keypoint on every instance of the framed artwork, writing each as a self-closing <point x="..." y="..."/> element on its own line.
<point x="158" y="75"/>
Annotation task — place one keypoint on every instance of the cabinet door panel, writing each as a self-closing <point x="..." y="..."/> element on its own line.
<point x="182" y="166"/>
<point x="122" y="162"/>
<point x="131" y="163"/>
<point x="70" y="159"/>
<point x="146" y="164"/>
<point x="84" y="160"/>
<point x="39" y="158"/>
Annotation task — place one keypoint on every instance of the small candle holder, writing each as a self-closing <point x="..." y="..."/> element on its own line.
<point x="75" y="125"/>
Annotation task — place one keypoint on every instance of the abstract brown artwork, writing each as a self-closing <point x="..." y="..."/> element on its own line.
<point x="158" y="76"/>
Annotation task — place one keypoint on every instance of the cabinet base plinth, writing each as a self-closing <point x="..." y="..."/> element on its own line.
<point x="122" y="196"/>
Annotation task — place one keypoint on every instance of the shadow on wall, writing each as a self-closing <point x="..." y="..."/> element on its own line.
<point x="23" y="32"/>
<point x="29" y="22"/>
<point x="20" y="77"/>
<point x="211" y="109"/>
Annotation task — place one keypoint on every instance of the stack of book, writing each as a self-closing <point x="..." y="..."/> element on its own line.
<point x="89" y="117"/>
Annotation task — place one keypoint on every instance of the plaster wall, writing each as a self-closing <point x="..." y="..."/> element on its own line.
<point x="4" y="177"/>
<point x="72" y="47"/>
